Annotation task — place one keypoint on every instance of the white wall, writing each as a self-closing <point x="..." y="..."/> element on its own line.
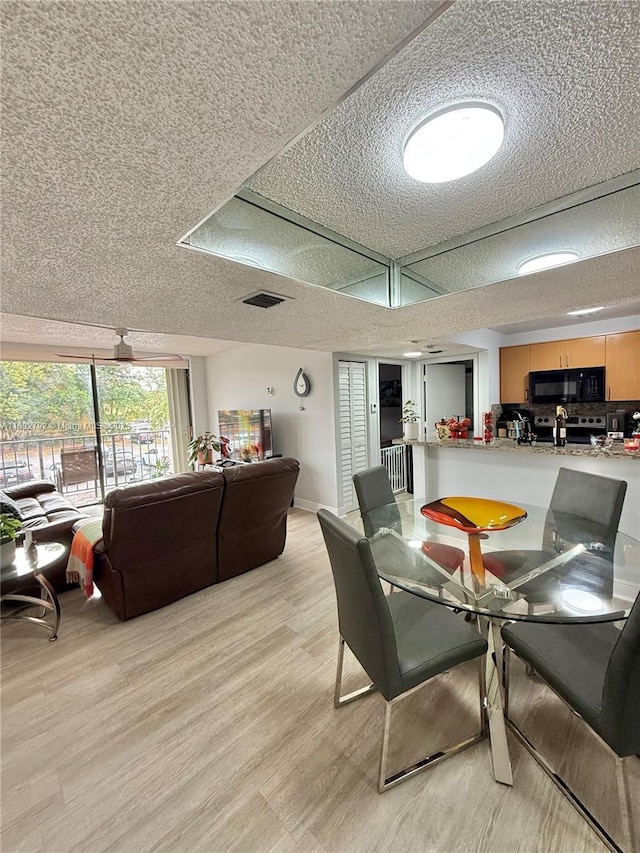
<point x="575" y="330"/>
<point x="238" y="379"/>
<point x="198" y="393"/>
<point x="488" y="344"/>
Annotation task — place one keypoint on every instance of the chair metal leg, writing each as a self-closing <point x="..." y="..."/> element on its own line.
<point x="339" y="700"/>
<point x="384" y="782"/>
<point x="624" y="789"/>
<point x="567" y="792"/>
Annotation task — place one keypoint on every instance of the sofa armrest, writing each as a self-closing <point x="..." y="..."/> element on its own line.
<point x="30" y="488"/>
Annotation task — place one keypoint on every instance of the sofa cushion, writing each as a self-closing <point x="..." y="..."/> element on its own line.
<point x="53" y="504"/>
<point x="9" y="506"/>
<point x="30" y="488"/>
<point x="31" y="509"/>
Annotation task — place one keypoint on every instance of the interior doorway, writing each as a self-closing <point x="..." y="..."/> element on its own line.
<point x="390" y="396"/>
<point x="449" y="392"/>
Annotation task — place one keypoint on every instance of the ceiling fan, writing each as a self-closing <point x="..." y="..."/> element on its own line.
<point x="123" y="353"/>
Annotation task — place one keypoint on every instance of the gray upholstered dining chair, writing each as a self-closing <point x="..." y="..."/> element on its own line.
<point x="374" y="492"/>
<point x="401" y="641"/>
<point x="595" y="669"/>
<point x="583" y="508"/>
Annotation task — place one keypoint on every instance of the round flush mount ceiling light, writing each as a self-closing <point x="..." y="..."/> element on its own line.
<point x="547" y="261"/>
<point x="453" y="142"/>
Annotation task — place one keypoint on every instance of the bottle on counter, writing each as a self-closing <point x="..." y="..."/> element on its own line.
<point x="560" y="427"/>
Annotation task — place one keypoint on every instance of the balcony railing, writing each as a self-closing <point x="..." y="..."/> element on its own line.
<point x="127" y="457"/>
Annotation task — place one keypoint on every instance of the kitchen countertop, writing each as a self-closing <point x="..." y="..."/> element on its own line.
<point x="509" y="445"/>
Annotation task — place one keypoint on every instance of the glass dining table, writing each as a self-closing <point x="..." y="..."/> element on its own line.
<point x="519" y="562"/>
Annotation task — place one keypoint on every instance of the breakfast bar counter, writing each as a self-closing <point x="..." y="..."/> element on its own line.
<point x="500" y="445"/>
<point x="507" y="471"/>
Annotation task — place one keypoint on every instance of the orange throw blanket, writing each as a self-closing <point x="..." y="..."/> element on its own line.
<point x="80" y="563"/>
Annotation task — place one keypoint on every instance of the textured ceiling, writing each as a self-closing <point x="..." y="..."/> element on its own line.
<point x="565" y="76"/>
<point x="125" y="124"/>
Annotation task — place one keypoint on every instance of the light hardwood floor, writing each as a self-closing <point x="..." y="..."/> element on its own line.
<point x="209" y="726"/>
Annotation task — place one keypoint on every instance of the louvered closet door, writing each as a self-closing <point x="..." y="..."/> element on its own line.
<point x="353" y="427"/>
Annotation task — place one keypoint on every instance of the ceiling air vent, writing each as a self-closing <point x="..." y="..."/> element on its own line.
<point x="264" y="300"/>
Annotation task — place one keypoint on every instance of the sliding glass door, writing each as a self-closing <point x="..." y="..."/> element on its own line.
<point x="90" y="427"/>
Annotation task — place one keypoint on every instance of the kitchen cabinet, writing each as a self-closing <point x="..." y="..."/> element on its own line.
<point x="514" y="374"/>
<point x="622" y="365"/>
<point x="585" y="352"/>
<point x="549" y="355"/>
<point x="620" y="354"/>
<point x="574" y="352"/>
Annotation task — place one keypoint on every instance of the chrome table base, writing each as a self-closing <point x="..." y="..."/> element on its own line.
<point x="47" y="602"/>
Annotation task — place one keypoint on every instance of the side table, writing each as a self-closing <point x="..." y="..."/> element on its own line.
<point x="26" y="565"/>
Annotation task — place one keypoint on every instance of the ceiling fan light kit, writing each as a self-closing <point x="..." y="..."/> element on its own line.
<point x="122" y="352"/>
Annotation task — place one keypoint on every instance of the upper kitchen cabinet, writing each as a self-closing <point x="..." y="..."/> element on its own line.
<point x="623" y="366"/>
<point x="515" y="364"/>
<point x="575" y="352"/>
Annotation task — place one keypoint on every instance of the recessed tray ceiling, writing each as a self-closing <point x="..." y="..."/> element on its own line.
<point x="260" y="233"/>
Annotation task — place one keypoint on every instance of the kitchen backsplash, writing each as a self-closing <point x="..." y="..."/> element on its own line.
<point x="585" y="409"/>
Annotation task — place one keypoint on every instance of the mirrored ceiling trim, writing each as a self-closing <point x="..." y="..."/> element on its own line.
<point x="253" y="230"/>
<point x="257" y="232"/>
<point x="609" y="223"/>
<point x="613" y="185"/>
<point x="298" y="219"/>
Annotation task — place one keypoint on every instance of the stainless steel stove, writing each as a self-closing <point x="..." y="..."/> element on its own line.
<point x="579" y="427"/>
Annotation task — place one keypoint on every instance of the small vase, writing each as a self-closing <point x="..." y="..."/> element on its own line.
<point x="411" y="432"/>
<point x="7" y="553"/>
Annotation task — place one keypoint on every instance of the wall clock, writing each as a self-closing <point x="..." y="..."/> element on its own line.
<point x="301" y="384"/>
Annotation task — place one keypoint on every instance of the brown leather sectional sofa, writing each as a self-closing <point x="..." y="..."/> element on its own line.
<point x="170" y="537"/>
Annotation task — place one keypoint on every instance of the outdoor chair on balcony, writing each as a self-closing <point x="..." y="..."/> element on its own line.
<point x="78" y="466"/>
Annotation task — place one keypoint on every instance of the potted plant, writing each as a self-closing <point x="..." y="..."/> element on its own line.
<point x="201" y="448"/>
<point x="10" y="527"/>
<point x="410" y="420"/>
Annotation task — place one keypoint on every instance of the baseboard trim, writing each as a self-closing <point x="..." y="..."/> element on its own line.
<point x="311" y="506"/>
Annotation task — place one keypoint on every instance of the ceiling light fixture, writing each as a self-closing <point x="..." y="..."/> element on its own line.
<point x="453" y="142"/>
<point x="415" y="354"/>
<point x="546" y="261"/>
<point x="582" y="311"/>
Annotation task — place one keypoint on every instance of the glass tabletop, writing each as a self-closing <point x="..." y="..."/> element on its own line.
<point x="35" y="559"/>
<point x="549" y="567"/>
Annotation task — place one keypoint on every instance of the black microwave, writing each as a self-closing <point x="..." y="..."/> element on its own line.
<point x="572" y="385"/>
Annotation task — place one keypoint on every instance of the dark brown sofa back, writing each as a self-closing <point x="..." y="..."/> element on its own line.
<point x="253" y="519"/>
<point x="159" y="542"/>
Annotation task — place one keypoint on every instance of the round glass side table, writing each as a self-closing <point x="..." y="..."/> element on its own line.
<point x="27" y="565"/>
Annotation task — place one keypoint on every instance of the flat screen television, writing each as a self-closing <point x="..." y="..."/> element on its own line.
<point x="248" y="432"/>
